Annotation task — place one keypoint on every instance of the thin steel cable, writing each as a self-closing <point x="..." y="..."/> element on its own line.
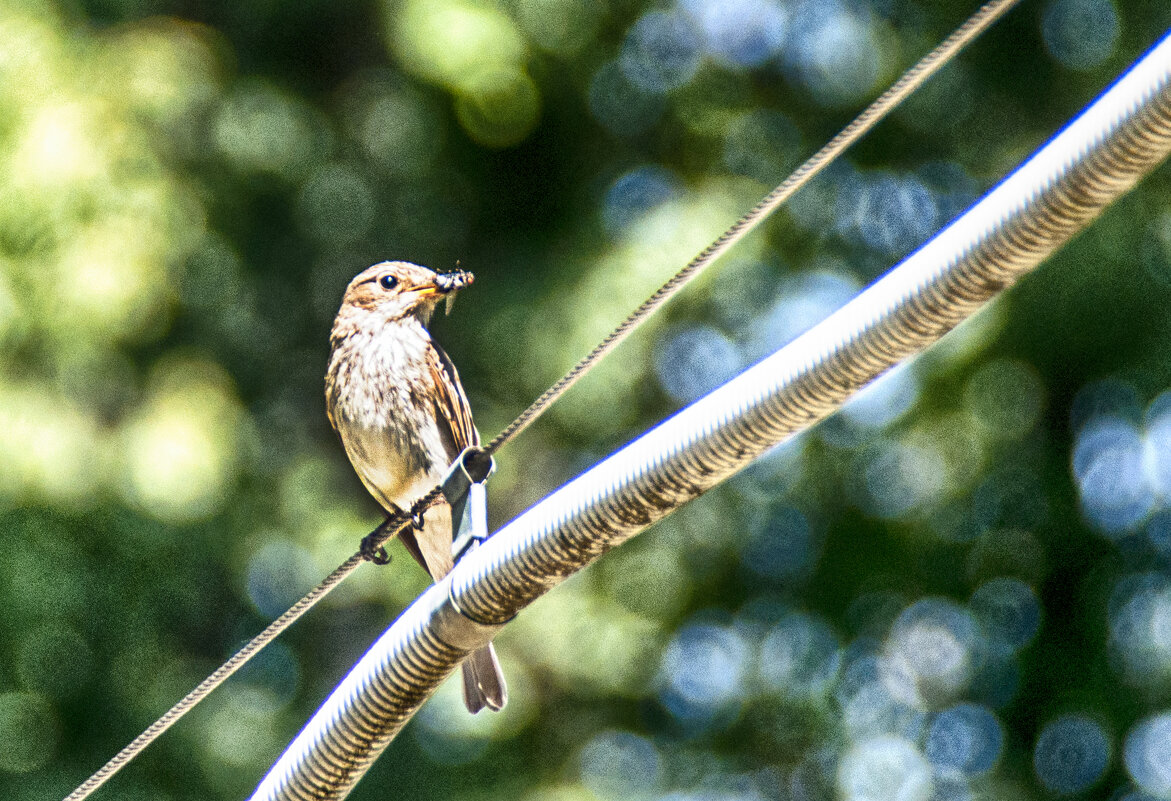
<point x="274" y="629"/>
<point x="871" y="116"/>
<point x="874" y="113"/>
<point x="237" y="661"/>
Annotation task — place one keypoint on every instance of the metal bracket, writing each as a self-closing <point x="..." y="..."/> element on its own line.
<point x="465" y="489"/>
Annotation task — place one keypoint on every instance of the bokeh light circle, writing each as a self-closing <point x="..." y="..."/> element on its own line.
<point x="784" y="547"/>
<point x="884" y="400"/>
<point x="966" y="737"/>
<point x="897" y="478"/>
<point x="894" y="214"/>
<point x="279" y="573"/>
<point x="800" y="657"/>
<point x="564" y="27"/>
<point x="337" y="205"/>
<point x="886" y="768"/>
<point x="1009" y="611"/>
<point x="745" y="33"/>
<point x="661" y="52"/>
<point x="635" y="193"/>
<point x="835" y="50"/>
<point x="801" y="302"/>
<point x="1157" y="441"/>
<point x="933" y="650"/>
<point x="617" y="765"/>
<point x="1004" y="398"/>
<point x="1139" y="617"/>
<point x="1071" y="755"/>
<point x="704" y="669"/>
<point x="455" y="42"/>
<point x="261" y="129"/>
<point x="398" y="127"/>
<point x="1109" y="465"/>
<point x="1147" y="754"/>
<point x="694" y="360"/>
<point x="179" y="447"/>
<point x="1081" y="34"/>
<point x="499" y="109"/>
<point x="868" y="707"/>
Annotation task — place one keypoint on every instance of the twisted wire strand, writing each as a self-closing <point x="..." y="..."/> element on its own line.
<point x="866" y="120"/>
<point x="871" y="116"/>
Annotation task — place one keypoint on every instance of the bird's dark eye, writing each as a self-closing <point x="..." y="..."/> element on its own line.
<point x="388" y="281"/>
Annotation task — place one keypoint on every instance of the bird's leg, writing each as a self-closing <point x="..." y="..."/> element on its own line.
<point x="373" y="553"/>
<point x="422" y="505"/>
<point x="373" y="546"/>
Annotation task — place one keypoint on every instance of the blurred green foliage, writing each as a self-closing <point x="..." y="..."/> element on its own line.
<point x="957" y="588"/>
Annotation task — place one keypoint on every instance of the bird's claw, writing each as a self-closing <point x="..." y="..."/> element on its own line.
<point x="373" y="552"/>
<point x="417" y="521"/>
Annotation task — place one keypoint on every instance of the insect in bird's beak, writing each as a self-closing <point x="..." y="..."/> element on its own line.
<point x="450" y="283"/>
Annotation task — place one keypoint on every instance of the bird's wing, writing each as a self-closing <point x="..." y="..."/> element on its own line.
<point x="451" y="405"/>
<point x="432" y="545"/>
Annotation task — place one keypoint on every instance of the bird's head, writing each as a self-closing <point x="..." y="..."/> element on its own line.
<point x="394" y="290"/>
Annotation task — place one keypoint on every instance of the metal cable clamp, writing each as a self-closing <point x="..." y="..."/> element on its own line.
<point x="465" y="489"/>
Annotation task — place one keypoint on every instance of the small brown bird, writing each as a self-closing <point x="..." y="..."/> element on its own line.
<point x="395" y="399"/>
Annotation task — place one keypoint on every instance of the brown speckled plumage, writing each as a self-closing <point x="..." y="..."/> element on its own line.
<point x="395" y="399"/>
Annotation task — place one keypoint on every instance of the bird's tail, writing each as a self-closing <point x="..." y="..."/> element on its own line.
<point x="483" y="681"/>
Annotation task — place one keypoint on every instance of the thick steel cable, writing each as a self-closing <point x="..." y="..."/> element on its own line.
<point x="1121" y="137"/>
<point x="911" y="80"/>
<point x="875" y="112"/>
